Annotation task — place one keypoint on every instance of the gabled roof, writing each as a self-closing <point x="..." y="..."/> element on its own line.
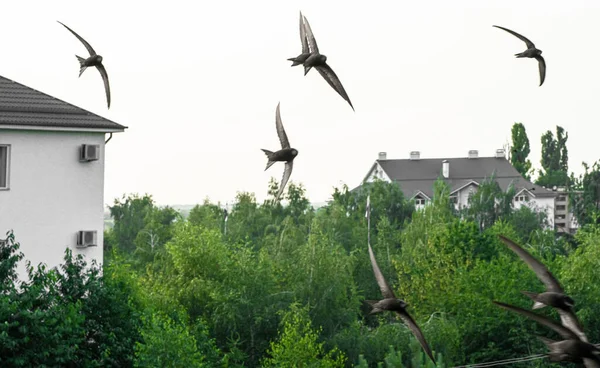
<point x="22" y="107"/>
<point x="420" y="174"/>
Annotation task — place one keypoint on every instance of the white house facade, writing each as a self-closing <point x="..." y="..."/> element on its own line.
<point x="51" y="175"/>
<point x="416" y="177"/>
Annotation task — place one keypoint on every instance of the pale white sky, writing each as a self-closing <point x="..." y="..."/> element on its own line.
<point x="197" y="83"/>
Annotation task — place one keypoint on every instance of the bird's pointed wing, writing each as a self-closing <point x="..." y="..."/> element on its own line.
<point x="417" y="332"/>
<point x="286" y="176"/>
<point x="570" y="321"/>
<point x="542" y="66"/>
<point x="333" y="80"/>
<point x="540" y="270"/>
<point x="87" y="45"/>
<point x="312" y="42"/>
<point x="529" y="44"/>
<point x="104" y="75"/>
<point x="563" y="331"/>
<point x="386" y="290"/>
<point x="303" y="38"/>
<point x="280" y="131"/>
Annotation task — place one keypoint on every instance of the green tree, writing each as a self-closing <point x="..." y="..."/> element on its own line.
<point x="129" y="215"/>
<point x="168" y="343"/>
<point x="585" y="195"/>
<point x="489" y="203"/>
<point x="554" y="159"/>
<point x="298" y="345"/>
<point x="520" y="150"/>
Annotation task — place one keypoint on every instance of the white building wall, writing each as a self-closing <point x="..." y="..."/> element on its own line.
<point x="545" y="204"/>
<point x="462" y="196"/>
<point x="52" y="195"/>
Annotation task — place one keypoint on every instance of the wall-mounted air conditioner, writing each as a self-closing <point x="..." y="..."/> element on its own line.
<point x="89" y="152"/>
<point x="87" y="238"/>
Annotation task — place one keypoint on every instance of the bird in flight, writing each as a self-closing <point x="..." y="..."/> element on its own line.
<point x="531" y="52"/>
<point x="93" y="60"/>
<point x="310" y="57"/>
<point x="554" y="295"/>
<point x="571" y="349"/>
<point x="393" y="304"/>
<point x="285" y="154"/>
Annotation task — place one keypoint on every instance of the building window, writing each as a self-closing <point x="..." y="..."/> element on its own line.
<point x="453" y="199"/>
<point x="521" y="198"/>
<point x="4" y="166"/>
<point x="419" y="201"/>
<point x="561" y="198"/>
<point x="561" y="207"/>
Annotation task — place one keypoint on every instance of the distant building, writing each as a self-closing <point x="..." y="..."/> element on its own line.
<point x="416" y="177"/>
<point x="565" y="221"/>
<point x="51" y="174"/>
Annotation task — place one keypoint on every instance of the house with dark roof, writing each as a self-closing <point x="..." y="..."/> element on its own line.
<point x="416" y="177"/>
<point x="51" y="174"/>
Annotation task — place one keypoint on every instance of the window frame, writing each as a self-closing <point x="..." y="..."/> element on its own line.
<point x="420" y="199"/>
<point x="8" y="149"/>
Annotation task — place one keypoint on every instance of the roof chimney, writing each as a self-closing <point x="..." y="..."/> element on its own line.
<point x="415" y="155"/>
<point x="473" y="153"/>
<point x="383" y="155"/>
<point x="446" y="169"/>
<point x="500" y="153"/>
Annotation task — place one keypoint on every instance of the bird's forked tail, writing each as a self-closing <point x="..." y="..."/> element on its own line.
<point x="268" y="153"/>
<point x="82" y="66"/>
<point x="295" y="61"/>
<point x="533" y="296"/>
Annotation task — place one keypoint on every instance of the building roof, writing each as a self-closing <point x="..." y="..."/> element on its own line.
<point x="415" y="175"/>
<point x="22" y="107"/>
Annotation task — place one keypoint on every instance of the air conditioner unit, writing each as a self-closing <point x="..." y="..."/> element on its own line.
<point x="87" y="238"/>
<point x="89" y="152"/>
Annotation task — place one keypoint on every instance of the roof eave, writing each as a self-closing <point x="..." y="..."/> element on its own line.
<point x="62" y="129"/>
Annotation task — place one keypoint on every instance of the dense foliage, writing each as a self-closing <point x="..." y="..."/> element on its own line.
<point x="273" y="285"/>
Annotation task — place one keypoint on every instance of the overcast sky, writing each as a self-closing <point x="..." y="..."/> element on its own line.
<point x="197" y="83"/>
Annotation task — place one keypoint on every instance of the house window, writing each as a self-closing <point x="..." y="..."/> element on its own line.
<point x="4" y="163"/>
<point x="453" y="199"/>
<point x="419" y="201"/>
<point x="521" y="198"/>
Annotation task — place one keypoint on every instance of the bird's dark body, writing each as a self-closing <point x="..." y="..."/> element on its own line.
<point x="91" y="61"/>
<point x="551" y="298"/>
<point x="316" y="59"/>
<point x="529" y="53"/>
<point x="284" y="155"/>
<point x="388" y="304"/>
<point x="571" y="351"/>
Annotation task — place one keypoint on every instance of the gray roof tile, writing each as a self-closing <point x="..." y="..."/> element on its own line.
<point x="420" y="175"/>
<point x="24" y="106"/>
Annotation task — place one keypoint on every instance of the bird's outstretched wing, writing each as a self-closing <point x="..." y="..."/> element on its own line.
<point x="303" y="38"/>
<point x="542" y="66"/>
<point x="570" y="321"/>
<point x="386" y="290"/>
<point x="529" y="44"/>
<point x="286" y="176"/>
<point x="104" y="75"/>
<point x="280" y="131"/>
<point x="412" y="325"/>
<point x="85" y="43"/>
<point x="540" y="270"/>
<point x="563" y="331"/>
<point x="328" y="74"/>
<point x="312" y="42"/>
